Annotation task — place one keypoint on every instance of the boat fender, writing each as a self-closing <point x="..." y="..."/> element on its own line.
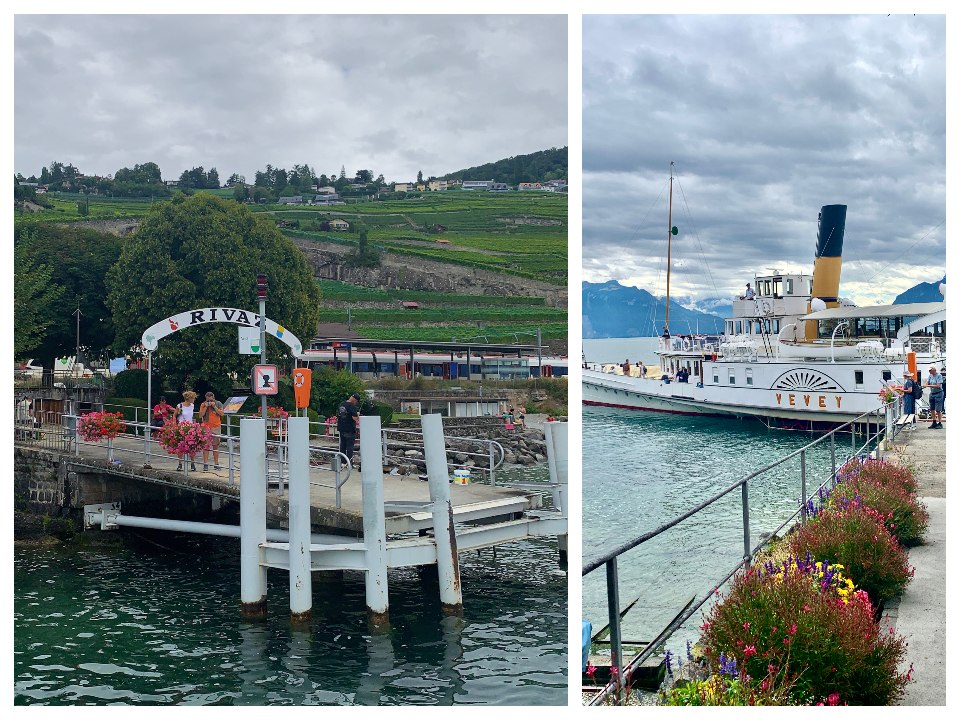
<point x="686" y="344"/>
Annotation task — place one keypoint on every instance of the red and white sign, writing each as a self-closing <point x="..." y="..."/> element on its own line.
<point x="264" y="381"/>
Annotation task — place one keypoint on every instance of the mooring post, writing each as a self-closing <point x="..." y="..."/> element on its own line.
<point x="253" y="516"/>
<point x="301" y="587"/>
<point x="444" y="532"/>
<point x="556" y="435"/>
<point x="374" y="519"/>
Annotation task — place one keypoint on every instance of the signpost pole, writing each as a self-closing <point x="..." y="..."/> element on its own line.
<point x="262" y="296"/>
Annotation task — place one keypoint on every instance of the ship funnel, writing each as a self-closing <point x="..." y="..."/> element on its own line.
<point x="826" y="265"/>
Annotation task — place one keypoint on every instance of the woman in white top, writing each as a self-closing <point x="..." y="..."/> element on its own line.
<point x="185" y="415"/>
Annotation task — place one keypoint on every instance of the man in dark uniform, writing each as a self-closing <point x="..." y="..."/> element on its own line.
<point x="347" y="424"/>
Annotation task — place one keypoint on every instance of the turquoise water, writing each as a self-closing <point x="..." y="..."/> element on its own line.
<point x="155" y="621"/>
<point x="644" y="469"/>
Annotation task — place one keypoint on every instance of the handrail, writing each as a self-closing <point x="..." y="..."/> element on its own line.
<point x="622" y="677"/>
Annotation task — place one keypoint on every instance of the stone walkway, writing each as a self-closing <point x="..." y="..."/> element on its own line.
<point x="920" y="616"/>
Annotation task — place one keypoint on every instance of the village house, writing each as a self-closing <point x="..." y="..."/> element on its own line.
<point x="294" y="200"/>
<point x="338" y="224"/>
<point x="477" y="184"/>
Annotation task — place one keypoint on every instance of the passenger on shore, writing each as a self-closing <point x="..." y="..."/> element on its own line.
<point x="162" y="412"/>
<point x="935" y="383"/>
<point x="184" y="414"/>
<point x="943" y="404"/>
<point x="348" y="417"/>
<point x="909" y="401"/>
<point x="211" y="415"/>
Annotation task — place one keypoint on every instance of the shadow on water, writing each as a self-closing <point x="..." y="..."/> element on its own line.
<point x="156" y="621"/>
<point x="641" y="470"/>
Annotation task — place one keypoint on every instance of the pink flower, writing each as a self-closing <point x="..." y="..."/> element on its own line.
<point x="793" y="629"/>
<point x="833" y="699"/>
<point x="749" y="651"/>
<point x="746" y="626"/>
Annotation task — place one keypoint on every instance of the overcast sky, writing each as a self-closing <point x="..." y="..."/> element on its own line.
<point x="767" y="118"/>
<point x="392" y="94"/>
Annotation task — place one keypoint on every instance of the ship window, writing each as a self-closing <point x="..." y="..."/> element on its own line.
<point x="766" y="287"/>
<point x="789" y="285"/>
<point x="749" y="373"/>
<point x="776" y="287"/>
<point x="776" y="326"/>
<point x="886" y="374"/>
<point x="716" y="375"/>
<point x="858" y="378"/>
<point x="733" y="376"/>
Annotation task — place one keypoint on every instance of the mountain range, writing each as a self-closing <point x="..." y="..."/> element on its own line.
<point x="612" y="310"/>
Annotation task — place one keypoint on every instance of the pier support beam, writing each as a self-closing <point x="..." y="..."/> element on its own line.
<point x="253" y="516"/>
<point x="374" y="520"/>
<point x="444" y="534"/>
<point x="301" y="587"/>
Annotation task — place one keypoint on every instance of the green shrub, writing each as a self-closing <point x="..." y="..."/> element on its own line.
<point x="130" y="383"/>
<point x="726" y="689"/>
<point x="902" y="513"/>
<point x="855" y="538"/>
<point x="373" y="407"/>
<point x="879" y="471"/>
<point x="802" y="621"/>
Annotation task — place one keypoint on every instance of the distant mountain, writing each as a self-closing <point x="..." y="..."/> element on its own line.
<point x="536" y="167"/>
<point x="924" y="292"/>
<point x="614" y="310"/>
<point x="722" y="307"/>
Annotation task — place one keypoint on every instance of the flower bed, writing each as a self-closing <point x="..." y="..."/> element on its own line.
<point x="804" y="630"/>
<point x="97" y="426"/>
<point x="185" y="438"/>
<point x="804" y="623"/>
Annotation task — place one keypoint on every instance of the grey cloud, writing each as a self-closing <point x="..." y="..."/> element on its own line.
<point x="767" y="118"/>
<point x="394" y="94"/>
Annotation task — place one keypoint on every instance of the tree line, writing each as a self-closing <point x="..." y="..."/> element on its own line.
<point x="536" y="167"/>
<point x="190" y="252"/>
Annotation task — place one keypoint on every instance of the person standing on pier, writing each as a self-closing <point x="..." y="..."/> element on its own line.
<point x="185" y="415"/>
<point x="909" y="400"/>
<point x="935" y="383"/>
<point x="211" y="415"/>
<point x="348" y="417"/>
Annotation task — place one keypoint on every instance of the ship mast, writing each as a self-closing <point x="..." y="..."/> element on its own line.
<point x="666" y="324"/>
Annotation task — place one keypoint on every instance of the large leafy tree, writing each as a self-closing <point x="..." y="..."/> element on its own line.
<point x="35" y="306"/>
<point x="78" y="260"/>
<point x="206" y="251"/>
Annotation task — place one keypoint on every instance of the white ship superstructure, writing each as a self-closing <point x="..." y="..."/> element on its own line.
<point x="795" y="354"/>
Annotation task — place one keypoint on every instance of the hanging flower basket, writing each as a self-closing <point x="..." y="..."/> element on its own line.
<point x="277" y="421"/>
<point x="887" y="395"/>
<point x="184" y="438"/>
<point x="97" y="426"/>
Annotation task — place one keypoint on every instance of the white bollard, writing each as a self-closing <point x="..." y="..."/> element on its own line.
<point x="301" y="588"/>
<point x="444" y="534"/>
<point x="253" y="516"/>
<point x="374" y="519"/>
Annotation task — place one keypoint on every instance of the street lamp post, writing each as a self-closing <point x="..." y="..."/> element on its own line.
<point x="262" y="297"/>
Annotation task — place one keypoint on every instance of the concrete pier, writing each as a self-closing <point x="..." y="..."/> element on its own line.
<point x="920" y="615"/>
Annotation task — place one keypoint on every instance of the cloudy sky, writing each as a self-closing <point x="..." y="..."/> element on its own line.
<point x="767" y="118"/>
<point x="392" y="94"/>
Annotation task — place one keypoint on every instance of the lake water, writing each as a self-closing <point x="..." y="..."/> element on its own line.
<point x="155" y="621"/>
<point x="641" y="470"/>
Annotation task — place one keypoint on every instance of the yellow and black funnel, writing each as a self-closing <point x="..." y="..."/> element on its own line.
<point x="826" y="265"/>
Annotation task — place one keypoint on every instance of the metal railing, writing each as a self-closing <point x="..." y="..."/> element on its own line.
<point x="879" y="428"/>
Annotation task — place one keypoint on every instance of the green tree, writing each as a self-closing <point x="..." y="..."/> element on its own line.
<point x="419" y="176"/>
<point x="35" y="304"/>
<point x="206" y="251"/>
<point x="79" y="259"/>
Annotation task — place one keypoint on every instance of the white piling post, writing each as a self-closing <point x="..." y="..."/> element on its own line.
<point x="557" y="453"/>
<point x="253" y="516"/>
<point x="444" y="534"/>
<point x="374" y="519"/>
<point x="301" y="588"/>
